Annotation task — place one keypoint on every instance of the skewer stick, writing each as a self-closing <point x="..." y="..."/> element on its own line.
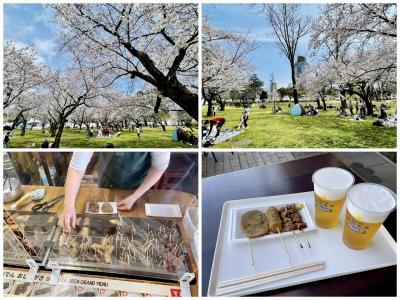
<point x="298" y="241"/>
<point x="284" y="245"/>
<point x="305" y="237"/>
<point x="251" y="251"/>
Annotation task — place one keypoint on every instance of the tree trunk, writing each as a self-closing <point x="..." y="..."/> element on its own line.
<point x="342" y="96"/>
<point x="295" y="94"/>
<point x="59" y="133"/>
<point x="318" y="103"/>
<point x="323" y="102"/>
<point x="181" y="95"/>
<point x="209" y="107"/>
<point x="23" y="127"/>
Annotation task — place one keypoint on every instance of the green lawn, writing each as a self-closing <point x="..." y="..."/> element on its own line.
<point x="323" y="131"/>
<point x="73" y="138"/>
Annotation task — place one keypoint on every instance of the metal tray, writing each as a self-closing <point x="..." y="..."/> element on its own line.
<point x="231" y="260"/>
<point x="145" y="247"/>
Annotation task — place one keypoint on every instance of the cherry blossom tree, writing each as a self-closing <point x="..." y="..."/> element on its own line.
<point x="354" y="44"/>
<point x="77" y="85"/>
<point x="22" y="72"/>
<point x="156" y="43"/>
<point x="225" y="66"/>
<point x="288" y="27"/>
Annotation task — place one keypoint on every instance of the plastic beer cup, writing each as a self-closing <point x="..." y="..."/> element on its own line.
<point x="368" y="205"/>
<point x="330" y="191"/>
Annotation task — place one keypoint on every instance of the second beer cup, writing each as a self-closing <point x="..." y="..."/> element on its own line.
<point x="330" y="191"/>
<point x="368" y="206"/>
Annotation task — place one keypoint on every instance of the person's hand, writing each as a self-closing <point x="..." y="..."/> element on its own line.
<point x="67" y="218"/>
<point x="126" y="204"/>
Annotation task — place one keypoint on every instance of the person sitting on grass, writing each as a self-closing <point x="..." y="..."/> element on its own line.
<point x="91" y="132"/>
<point x="217" y="122"/>
<point x="45" y="144"/>
<point x="106" y="131"/>
<point x="383" y="114"/>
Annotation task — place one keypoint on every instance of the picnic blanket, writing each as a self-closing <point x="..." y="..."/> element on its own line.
<point x="224" y="135"/>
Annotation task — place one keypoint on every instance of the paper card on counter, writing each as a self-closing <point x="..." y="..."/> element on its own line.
<point x="163" y="210"/>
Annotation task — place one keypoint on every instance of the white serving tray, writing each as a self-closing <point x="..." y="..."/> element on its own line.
<point x="236" y="235"/>
<point x="232" y="260"/>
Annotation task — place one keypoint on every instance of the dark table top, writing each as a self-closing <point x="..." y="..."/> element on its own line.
<point x="286" y="178"/>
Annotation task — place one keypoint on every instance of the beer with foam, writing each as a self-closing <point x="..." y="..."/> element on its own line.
<point x="368" y="206"/>
<point x="330" y="190"/>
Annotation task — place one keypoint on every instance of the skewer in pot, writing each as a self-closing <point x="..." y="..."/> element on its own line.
<point x="276" y="225"/>
<point x="253" y="224"/>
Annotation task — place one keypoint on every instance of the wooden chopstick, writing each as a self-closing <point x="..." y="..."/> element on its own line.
<point x="249" y="281"/>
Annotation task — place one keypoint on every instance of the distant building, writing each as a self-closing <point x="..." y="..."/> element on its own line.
<point x="299" y="65"/>
<point x="272" y="87"/>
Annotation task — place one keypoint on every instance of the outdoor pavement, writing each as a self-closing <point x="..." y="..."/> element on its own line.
<point x="371" y="166"/>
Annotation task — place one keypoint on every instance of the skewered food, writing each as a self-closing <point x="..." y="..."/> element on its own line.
<point x="254" y="223"/>
<point x="291" y="218"/>
<point x="93" y="207"/>
<point x="274" y="220"/>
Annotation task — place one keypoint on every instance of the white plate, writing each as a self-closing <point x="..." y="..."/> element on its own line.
<point x="232" y="260"/>
<point x="100" y="205"/>
<point x="236" y="234"/>
<point x="163" y="210"/>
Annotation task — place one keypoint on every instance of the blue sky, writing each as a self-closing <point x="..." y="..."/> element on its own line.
<point x="267" y="58"/>
<point x="31" y="25"/>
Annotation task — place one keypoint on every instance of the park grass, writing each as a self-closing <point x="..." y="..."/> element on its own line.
<point x="73" y="138"/>
<point x="326" y="130"/>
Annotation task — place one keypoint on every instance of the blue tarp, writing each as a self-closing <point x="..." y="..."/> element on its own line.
<point x="175" y="135"/>
<point x="296" y="110"/>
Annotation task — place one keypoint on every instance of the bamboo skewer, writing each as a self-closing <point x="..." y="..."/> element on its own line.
<point x="231" y="286"/>
<point x="298" y="241"/>
<point x="305" y="237"/>
<point x="284" y="245"/>
<point x="251" y="251"/>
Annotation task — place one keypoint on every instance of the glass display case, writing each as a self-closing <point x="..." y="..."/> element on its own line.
<point x="34" y="232"/>
<point x="122" y="245"/>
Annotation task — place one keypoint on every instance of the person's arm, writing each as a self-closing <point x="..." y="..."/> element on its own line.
<point x="76" y="170"/>
<point x="159" y="163"/>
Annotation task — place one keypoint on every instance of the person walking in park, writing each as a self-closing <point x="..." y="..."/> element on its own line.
<point x="139" y="131"/>
<point x="244" y="118"/>
<point x="357" y="107"/>
<point x="217" y="122"/>
<point x="7" y="139"/>
<point x="363" y="111"/>
<point x="351" y="107"/>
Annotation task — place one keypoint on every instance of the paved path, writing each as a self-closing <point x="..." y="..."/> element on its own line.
<point x="229" y="162"/>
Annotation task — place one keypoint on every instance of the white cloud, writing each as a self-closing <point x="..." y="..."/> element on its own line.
<point x="44" y="46"/>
